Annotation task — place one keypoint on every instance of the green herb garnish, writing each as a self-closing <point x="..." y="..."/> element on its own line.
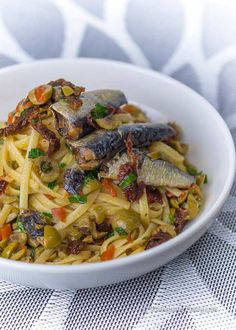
<point x="172" y="218"/>
<point x="99" y="111"/>
<point x="62" y="165"/>
<point x="130" y="178"/>
<point x="24" y="112"/>
<point x="90" y="175"/>
<point x="52" y="185"/>
<point x="32" y="253"/>
<point x="78" y="199"/>
<point x="35" y="153"/>
<point x="110" y="234"/>
<point x="1" y="142"/>
<point x="121" y="231"/>
<point x="45" y="166"/>
<point x="192" y="170"/>
<point x="205" y="179"/>
<point x="20" y="225"/>
<point x="47" y="214"/>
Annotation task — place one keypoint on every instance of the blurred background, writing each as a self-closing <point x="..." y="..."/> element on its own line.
<point x="193" y="41"/>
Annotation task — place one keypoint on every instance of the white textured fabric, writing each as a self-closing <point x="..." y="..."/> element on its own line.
<point x="195" y="42"/>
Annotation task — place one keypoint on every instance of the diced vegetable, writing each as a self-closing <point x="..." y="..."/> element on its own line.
<point x="78" y="199"/>
<point x="5" y="231"/>
<point x="130" y="178"/>
<point x="59" y="213"/>
<point x="67" y="90"/>
<point x="108" y="186"/>
<point x="35" y="153"/>
<point x="109" y="253"/>
<point x="51" y="237"/>
<point x="40" y="94"/>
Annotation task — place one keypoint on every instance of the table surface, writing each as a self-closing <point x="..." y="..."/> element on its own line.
<point x="194" y="42"/>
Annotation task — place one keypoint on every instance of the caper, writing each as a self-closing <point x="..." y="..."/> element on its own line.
<point x="40" y="95"/>
<point x="47" y="169"/>
<point x="51" y="237"/>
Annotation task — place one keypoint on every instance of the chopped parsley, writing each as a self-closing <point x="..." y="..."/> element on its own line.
<point x="121" y="231"/>
<point x="99" y="111"/>
<point x="192" y="170"/>
<point x="78" y="199"/>
<point x="110" y="234"/>
<point x="172" y="218"/>
<point x="20" y="225"/>
<point x="32" y="253"/>
<point x="1" y="142"/>
<point x="47" y="214"/>
<point x="24" y="112"/>
<point x="90" y="175"/>
<point x="35" y="153"/>
<point x="130" y="178"/>
<point x="205" y="179"/>
<point x="62" y="165"/>
<point x="52" y="185"/>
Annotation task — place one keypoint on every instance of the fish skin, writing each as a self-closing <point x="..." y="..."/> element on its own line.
<point x="155" y="173"/>
<point x="104" y="144"/>
<point x="162" y="173"/>
<point x="78" y="118"/>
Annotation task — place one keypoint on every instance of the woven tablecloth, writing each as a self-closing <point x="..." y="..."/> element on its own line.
<point x="193" y="41"/>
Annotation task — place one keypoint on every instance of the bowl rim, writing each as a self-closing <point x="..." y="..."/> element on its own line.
<point x="172" y="243"/>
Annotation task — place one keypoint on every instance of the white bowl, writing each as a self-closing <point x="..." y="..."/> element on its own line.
<point x="211" y="149"/>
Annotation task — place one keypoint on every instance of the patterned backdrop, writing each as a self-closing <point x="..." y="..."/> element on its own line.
<point x="193" y="41"/>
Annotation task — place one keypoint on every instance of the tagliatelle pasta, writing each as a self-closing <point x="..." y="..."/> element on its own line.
<point x="84" y="177"/>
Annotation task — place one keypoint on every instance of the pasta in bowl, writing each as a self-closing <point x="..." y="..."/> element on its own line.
<point x="85" y="177"/>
